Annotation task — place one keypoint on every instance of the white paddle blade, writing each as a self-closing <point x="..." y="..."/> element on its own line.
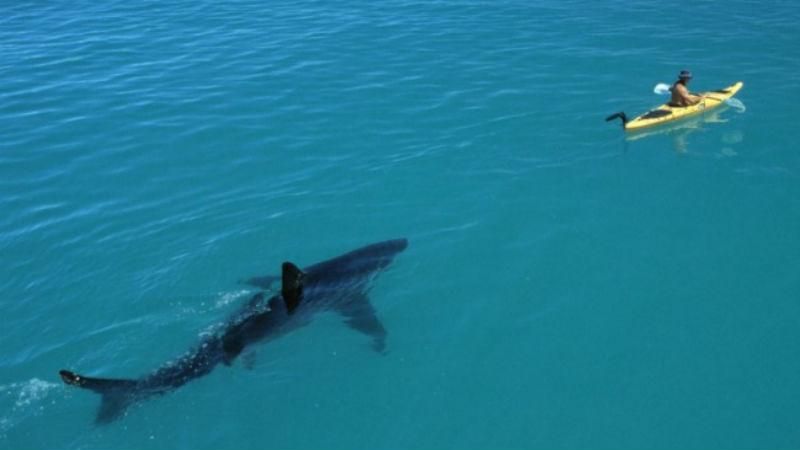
<point x="736" y="104"/>
<point x="661" y="89"/>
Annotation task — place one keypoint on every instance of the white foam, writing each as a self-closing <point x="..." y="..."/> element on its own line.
<point x="27" y="395"/>
<point x="32" y="391"/>
<point x="226" y="298"/>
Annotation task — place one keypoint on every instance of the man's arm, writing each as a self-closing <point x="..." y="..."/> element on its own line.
<point x="688" y="98"/>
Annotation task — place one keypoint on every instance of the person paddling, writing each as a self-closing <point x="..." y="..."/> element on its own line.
<point x="681" y="97"/>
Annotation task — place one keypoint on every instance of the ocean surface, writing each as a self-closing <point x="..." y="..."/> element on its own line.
<point x="565" y="285"/>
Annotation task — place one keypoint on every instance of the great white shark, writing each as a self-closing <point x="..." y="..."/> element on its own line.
<point x="339" y="285"/>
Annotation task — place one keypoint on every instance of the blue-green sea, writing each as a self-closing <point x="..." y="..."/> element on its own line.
<point x="567" y="285"/>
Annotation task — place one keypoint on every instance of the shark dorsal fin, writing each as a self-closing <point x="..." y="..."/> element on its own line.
<point x="292" y="287"/>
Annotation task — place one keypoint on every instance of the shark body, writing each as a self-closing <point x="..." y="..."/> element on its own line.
<point x="340" y="285"/>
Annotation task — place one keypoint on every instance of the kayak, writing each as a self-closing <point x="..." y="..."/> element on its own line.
<point x="666" y="113"/>
<point x="679" y="128"/>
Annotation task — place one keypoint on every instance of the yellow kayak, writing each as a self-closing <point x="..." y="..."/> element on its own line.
<point x="666" y="113"/>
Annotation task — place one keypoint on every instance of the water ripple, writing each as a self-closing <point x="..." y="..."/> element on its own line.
<point x="151" y="152"/>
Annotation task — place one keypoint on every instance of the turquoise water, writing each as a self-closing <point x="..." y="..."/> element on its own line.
<point x="564" y="287"/>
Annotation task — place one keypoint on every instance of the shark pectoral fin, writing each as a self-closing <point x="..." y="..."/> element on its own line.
<point x="360" y="316"/>
<point x="264" y="282"/>
<point x="292" y="286"/>
<point x="249" y="360"/>
<point x="231" y="346"/>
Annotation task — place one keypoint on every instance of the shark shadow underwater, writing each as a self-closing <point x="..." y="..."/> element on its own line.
<point x="339" y="285"/>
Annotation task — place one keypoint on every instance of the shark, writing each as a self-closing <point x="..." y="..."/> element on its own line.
<point x="339" y="285"/>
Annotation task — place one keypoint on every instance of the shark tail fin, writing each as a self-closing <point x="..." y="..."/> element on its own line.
<point x="292" y="286"/>
<point x="113" y="405"/>
<point x="117" y="394"/>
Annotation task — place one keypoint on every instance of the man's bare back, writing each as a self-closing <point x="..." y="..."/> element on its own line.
<point x="681" y="96"/>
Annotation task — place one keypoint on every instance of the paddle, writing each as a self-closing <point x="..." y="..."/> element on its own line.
<point x="663" y="89"/>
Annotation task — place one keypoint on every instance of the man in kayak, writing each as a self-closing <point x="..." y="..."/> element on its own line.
<point x="680" y="94"/>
